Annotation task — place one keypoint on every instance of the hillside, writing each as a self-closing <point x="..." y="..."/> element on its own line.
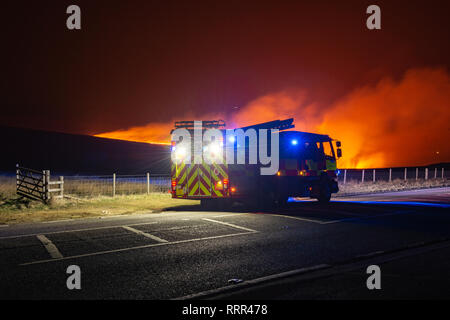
<point x="71" y="154"/>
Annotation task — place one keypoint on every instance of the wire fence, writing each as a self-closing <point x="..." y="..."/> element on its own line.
<point x="391" y="174"/>
<point x="112" y="185"/>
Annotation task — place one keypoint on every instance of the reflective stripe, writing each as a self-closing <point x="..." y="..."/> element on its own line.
<point x="194" y="189"/>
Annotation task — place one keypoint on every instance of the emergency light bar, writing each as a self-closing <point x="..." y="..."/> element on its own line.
<point x="205" y="124"/>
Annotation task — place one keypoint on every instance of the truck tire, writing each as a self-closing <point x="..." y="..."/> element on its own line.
<point x="266" y="200"/>
<point x="215" y="204"/>
<point x="325" y="192"/>
<point x="208" y="204"/>
<point x="282" y="201"/>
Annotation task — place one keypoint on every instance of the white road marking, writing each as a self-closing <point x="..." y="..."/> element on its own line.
<point x="230" y="225"/>
<point x="51" y="248"/>
<point x="138" y="247"/>
<point x="369" y="217"/>
<point x="76" y="230"/>
<point x="298" y="218"/>
<point x="368" y="255"/>
<point x="345" y="219"/>
<point x="55" y="221"/>
<point x="3" y="225"/>
<point x="229" y="215"/>
<point x="326" y="211"/>
<point x="142" y="233"/>
<point x="256" y="281"/>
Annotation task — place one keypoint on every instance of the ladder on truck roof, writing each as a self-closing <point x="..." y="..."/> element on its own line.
<point x="276" y="124"/>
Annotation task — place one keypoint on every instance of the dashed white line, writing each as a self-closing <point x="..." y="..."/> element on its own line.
<point x="138" y="247"/>
<point x="142" y="233"/>
<point x="51" y="248"/>
<point x="230" y="225"/>
<point x="76" y="230"/>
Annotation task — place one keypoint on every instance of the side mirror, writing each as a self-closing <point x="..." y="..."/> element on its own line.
<point x="338" y="144"/>
<point x="339" y="153"/>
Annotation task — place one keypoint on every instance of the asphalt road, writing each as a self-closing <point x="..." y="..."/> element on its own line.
<point x="194" y="254"/>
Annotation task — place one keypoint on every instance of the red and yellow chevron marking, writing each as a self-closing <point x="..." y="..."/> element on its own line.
<point x="194" y="180"/>
<point x="204" y="181"/>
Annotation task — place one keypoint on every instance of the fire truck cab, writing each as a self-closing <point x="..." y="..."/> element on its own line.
<point x="307" y="168"/>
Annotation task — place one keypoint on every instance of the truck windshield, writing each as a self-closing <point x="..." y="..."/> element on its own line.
<point x="328" y="149"/>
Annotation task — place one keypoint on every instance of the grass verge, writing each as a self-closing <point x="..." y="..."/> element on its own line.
<point x="18" y="210"/>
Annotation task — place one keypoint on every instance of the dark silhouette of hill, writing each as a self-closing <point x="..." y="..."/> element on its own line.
<point x="72" y="154"/>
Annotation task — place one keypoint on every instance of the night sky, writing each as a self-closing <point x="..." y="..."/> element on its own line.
<point x="147" y="63"/>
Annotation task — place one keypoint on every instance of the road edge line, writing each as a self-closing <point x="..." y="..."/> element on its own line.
<point x="253" y="282"/>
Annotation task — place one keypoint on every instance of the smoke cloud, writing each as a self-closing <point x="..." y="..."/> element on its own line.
<point x="401" y="122"/>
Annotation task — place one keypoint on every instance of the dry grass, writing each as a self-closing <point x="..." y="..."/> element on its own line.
<point x="17" y="210"/>
<point x="7" y="186"/>
<point x="95" y="203"/>
<point x="356" y="187"/>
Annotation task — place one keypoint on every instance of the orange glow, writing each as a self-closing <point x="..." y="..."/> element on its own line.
<point x="156" y="133"/>
<point x="393" y="123"/>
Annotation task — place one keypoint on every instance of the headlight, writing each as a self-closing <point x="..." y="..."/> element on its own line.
<point x="180" y="152"/>
<point x="214" y="149"/>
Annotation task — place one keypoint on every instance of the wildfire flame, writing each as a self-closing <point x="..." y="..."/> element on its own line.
<point x="393" y="123"/>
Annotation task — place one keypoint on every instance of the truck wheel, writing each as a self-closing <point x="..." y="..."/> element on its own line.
<point x="325" y="192"/>
<point x="266" y="200"/>
<point x="215" y="204"/>
<point x="282" y="201"/>
<point x="208" y="204"/>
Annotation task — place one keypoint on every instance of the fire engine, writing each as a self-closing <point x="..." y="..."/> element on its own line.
<point x="307" y="168"/>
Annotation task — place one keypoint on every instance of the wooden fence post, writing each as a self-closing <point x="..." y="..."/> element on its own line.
<point x="390" y="174"/>
<point x="442" y="174"/>
<point x="114" y="185"/>
<point x="362" y="176"/>
<point x="61" y="186"/>
<point x="17" y="177"/>
<point x="406" y="170"/>
<point x="345" y="176"/>
<point x="435" y="173"/>
<point x="417" y="173"/>
<point x="46" y="178"/>
<point x="373" y="178"/>
<point x="426" y="173"/>
<point x="148" y="182"/>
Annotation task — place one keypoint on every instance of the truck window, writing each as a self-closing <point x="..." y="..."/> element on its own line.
<point x="328" y="149"/>
<point x="312" y="151"/>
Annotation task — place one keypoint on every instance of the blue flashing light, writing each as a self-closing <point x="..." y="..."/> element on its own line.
<point x="294" y="142"/>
